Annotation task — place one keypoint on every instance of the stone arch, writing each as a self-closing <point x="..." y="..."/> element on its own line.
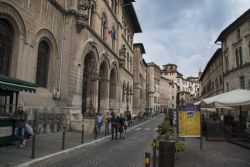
<point x="113" y="89"/>
<point x="89" y="46"/>
<point x="103" y="87"/>
<point x="88" y="85"/>
<point x="46" y="35"/>
<point x="104" y="58"/>
<point x="11" y="14"/>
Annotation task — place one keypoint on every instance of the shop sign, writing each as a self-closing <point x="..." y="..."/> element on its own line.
<point x="5" y="131"/>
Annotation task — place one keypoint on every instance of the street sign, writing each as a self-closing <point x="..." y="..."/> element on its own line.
<point x="189" y="121"/>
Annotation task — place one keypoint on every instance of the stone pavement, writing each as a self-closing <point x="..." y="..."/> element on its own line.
<point x="46" y="144"/>
<point x="214" y="154"/>
<point x="111" y="153"/>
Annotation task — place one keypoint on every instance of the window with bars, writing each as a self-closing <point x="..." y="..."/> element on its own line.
<point x="42" y="64"/>
<point x="242" y="82"/>
<point x="236" y="57"/>
<point x="5" y="46"/>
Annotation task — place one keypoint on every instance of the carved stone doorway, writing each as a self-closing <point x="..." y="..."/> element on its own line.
<point x="88" y="90"/>
<point x="113" y="90"/>
<point x="103" y="88"/>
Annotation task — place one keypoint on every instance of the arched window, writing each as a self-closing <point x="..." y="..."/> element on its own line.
<point x="131" y="65"/>
<point x="104" y="27"/>
<point x="127" y="93"/>
<point x="128" y="61"/>
<point x="6" y="35"/>
<point x="123" y="91"/>
<point x="42" y="64"/>
<point x="114" y="6"/>
<point x="91" y="15"/>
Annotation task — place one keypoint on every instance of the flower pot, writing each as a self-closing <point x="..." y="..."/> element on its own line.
<point x="167" y="154"/>
<point x="161" y="137"/>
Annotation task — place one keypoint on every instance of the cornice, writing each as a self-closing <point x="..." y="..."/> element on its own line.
<point x="127" y="71"/>
<point x="237" y="68"/>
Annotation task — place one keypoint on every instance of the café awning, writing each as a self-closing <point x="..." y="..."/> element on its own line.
<point x="13" y="84"/>
<point x="234" y="98"/>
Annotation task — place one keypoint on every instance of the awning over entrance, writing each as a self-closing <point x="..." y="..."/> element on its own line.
<point x="12" y="84"/>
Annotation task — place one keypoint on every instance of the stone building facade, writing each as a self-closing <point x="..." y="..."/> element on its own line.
<point x="212" y="77"/>
<point x="140" y="79"/>
<point x="179" y="84"/>
<point x="165" y="94"/>
<point x="153" y="81"/>
<point x="78" y="52"/>
<point x="235" y="40"/>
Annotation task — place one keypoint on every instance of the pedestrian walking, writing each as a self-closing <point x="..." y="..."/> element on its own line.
<point x="117" y="122"/>
<point x="113" y="125"/>
<point x="129" y="118"/>
<point x="20" y="117"/>
<point x="121" y="126"/>
<point x="99" y="123"/>
<point x="108" y="120"/>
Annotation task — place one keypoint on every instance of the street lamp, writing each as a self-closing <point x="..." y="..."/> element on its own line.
<point x="128" y="92"/>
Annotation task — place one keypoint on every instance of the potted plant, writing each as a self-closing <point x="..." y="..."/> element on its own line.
<point x="166" y="144"/>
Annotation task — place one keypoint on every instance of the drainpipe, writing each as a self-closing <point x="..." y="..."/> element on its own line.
<point x="61" y="53"/>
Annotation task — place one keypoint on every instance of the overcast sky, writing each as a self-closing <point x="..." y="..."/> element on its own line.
<point x="183" y="32"/>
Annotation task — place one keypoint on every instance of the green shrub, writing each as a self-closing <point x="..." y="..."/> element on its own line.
<point x="165" y="129"/>
<point x="180" y="146"/>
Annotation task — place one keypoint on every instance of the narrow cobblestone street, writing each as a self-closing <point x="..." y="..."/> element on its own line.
<point x="112" y="153"/>
<point x="130" y="152"/>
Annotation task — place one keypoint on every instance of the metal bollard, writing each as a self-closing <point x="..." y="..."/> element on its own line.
<point x="82" y="134"/>
<point x="154" y="153"/>
<point x="147" y="159"/>
<point x="63" y="138"/>
<point x="33" y="145"/>
<point x="105" y="129"/>
<point x="95" y="131"/>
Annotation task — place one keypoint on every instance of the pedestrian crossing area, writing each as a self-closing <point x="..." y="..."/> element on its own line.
<point x="145" y="129"/>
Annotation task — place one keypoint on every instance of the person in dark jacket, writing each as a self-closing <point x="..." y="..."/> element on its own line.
<point x="121" y="126"/>
<point x="20" y="117"/>
<point x="113" y="124"/>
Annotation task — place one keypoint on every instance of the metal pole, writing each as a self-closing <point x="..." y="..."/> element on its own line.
<point x="63" y="138"/>
<point x="154" y="153"/>
<point x="82" y="134"/>
<point x="147" y="159"/>
<point x="95" y="131"/>
<point x="33" y="145"/>
<point x="105" y="128"/>
<point x="200" y="129"/>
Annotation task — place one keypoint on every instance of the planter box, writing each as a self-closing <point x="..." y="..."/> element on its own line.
<point x="167" y="154"/>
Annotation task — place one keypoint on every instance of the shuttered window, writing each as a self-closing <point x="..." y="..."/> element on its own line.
<point x="42" y="64"/>
<point x="5" y="46"/>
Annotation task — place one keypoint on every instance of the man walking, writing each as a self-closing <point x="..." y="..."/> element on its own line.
<point x="20" y="117"/>
<point x="113" y="124"/>
<point x="99" y="122"/>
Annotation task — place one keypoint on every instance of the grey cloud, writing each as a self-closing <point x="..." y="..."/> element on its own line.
<point x="182" y="32"/>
